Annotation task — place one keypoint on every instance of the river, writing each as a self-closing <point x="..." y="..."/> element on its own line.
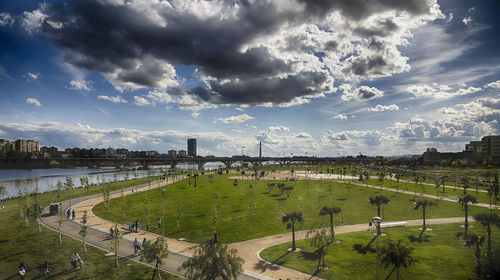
<point x="26" y="180"/>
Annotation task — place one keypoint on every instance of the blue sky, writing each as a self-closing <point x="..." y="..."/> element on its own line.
<point x="320" y="78"/>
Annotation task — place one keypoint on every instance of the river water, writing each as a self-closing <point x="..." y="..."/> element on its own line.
<point x="26" y="180"/>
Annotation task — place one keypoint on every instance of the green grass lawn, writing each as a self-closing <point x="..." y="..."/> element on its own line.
<point x="19" y="243"/>
<point x="421" y="188"/>
<point x="439" y="255"/>
<point x="235" y="221"/>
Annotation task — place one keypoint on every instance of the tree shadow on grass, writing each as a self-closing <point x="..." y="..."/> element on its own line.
<point x="263" y="265"/>
<point x="309" y="255"/>
<point x="342" y="199"/>
<point x="420" y="239"/>
<point x="362" y="249"/>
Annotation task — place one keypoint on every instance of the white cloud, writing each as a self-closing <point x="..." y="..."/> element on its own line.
<point x="195" y="114"/>
<point x="33" y="101"/>
<point x="114" y="99"/>
<point x="6" y="19"/>
<point x="467" y="20"/>
<point x="495" y="84"/>
<point x="80" y="85"/>
<point x="31" y="76"/>
<point x="278" y="128"/>
<point x="340" y="117"/>
<point x="436" y="91"/>
<point x="141" y="101"/>
<point x="361" y="93"/>
<point x="381" y="108"/>
<point x="237" y="119"/>
<point x="32" y="21"/>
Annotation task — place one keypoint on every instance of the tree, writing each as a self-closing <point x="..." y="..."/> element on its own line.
<point x="213" y="262"/>
<point x="106" y="196"/>
<point x="423" y="203"/>
<point x="465" y="184"/>
<point x="68" y="185"/>
<point x="378" y="200"/>
<point x="37" y="209"/>
<point x="494" y="189"/>
<point x="114" y="242"/>
<point x="123" y="202"/>
<point x="476" y="241"/>
<point x="60" y="221"/>
<point x="487" y="220"/>
<point x="3" y="192"/>
<point x="443" y="180"/>
<point x="155" y="252"/>
<point x="330" y="211"/>
<point x="381" y="177"/>
<point x="396" y="254"/>
<point x="84" y="182"/>
<point x="464" y="201"/>
<point x="320" y="239"/>
<point x="289" y="219"/>
<point x="235" y="184"/>
<point x="84" y="230"/>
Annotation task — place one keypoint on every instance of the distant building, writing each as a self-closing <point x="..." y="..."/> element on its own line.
<point x="110" y="152"/>
<point x="191" y="146"/>
<point x="172" y="153"/>
<point x="26" y="146"/>
<point x="181" y="153"/>
<point x="122" y="152"/>
<point x="50" y="150"/>
<point x="474" y="146"/>
<point x="490" y="147"/>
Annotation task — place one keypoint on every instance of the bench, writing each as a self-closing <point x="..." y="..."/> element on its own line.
<point x="393" y="224"/>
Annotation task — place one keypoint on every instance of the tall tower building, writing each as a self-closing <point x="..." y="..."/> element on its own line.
<point x="260" y="149"/>
<point x="191" y="147"/>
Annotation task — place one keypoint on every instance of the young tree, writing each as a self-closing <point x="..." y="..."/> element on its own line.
<point x="465" y="184"/>
<point x="3" y="192"/>
<point x="320" y="239"/>
<point x="106" y="196"/>
<point x="114" y="242"/>
<point x="123" y="202"/>
<point x="396" y="254"/>
<point x="235" y="184"/>
<point x="155" y="252"/>
<point x="84" y="182"/>
<point x="213" y="261"/>
<point x="330" y="211"/>
<point x="378" y="200"/>
<point x="487" y="220"/>
<point x="60" y="221"/>
<point x="68" y="185"/>
<point x="423" y="203"/>
<point x="381" y="177"/>
<point x="464" y="201"/>
<point x="289" y="219"/>
<point x="477" y="241"/>
<point x="37" y="208"/>
<point x="84" y="230"/>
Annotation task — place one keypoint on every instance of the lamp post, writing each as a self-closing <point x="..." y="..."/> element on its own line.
<point x="163" y="216"/>
<point x="376" y="221"/>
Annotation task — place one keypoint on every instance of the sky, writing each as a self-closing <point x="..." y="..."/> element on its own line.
<point x="304" y="77"/>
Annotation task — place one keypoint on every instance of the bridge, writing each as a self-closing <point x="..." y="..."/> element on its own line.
<point x="145" y="162"/>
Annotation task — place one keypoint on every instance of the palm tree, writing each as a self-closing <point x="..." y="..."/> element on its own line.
<point x="477" y="241"/>
<point x="320" y="239"/>
<point x="155" y="252"/>
<point x="487" y="220"/>
<point x="396" y="254"/>
<point x="443" y="179"/>
<point x="464" y="201"/>
<point x="466" y="184"/>
<point x="326" y="210"/>
<point x="378" y="200"/>
<point x="289" y="219"/>
<point x="423" y="203"/>
<point x="213" y="261"/>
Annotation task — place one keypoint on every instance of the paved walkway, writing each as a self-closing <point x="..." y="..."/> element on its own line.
<point x="255" y="267"/>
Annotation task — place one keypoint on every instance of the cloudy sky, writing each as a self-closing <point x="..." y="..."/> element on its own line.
<point x="329" y="78"/>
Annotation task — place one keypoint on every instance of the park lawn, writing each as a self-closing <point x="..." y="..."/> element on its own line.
<point x="19" y="243"/>
<point x="421" y="188"/>
<point x="439" y="255"/>
<point x="235" y="221"/>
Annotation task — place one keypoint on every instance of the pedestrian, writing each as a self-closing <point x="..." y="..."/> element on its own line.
<point x="136" y="225"/>
<point x="137" y="246"/>
<point x="74" y="259"/>
<point x="111" y="232"/>
<point x="144" y="242"/>
<point x="22" y="270"/>
<point x="79" y="260"/>
<point x="73" y="214"/>
<point x="68" y="212"/>
<point x="159" y="223"/>
<point x="45" y="268"/>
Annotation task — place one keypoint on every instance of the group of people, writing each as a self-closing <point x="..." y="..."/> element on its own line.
<point x="76" y="262"/>
<point x="70" y="213"/>
<point x="137" y="245"/>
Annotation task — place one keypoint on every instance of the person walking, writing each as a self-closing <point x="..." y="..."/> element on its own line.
<point x="144" y="242"/>
<point x="74" y="259"/>
<point x="79" y="261"/>
<point x="22" y="270"/>
<point x="137" y="246"/>
<point x="68" y="213"/>
<point x="159" y="223"/>
<point x="136" y="225"/>
<point x="73" y="214"/>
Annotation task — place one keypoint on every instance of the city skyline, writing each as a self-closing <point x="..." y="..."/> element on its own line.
<point x="338" y="79"/>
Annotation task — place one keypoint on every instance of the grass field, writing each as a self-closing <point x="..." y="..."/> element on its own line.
<point x="439" y="255"/>
<point x="195" y="207"/>
<point x="19" y="243"/>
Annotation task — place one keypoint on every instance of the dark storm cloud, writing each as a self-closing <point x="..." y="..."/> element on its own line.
<point x="131" y="48"/>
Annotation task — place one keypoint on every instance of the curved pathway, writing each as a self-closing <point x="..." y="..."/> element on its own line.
<point x="254" y="266"/>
